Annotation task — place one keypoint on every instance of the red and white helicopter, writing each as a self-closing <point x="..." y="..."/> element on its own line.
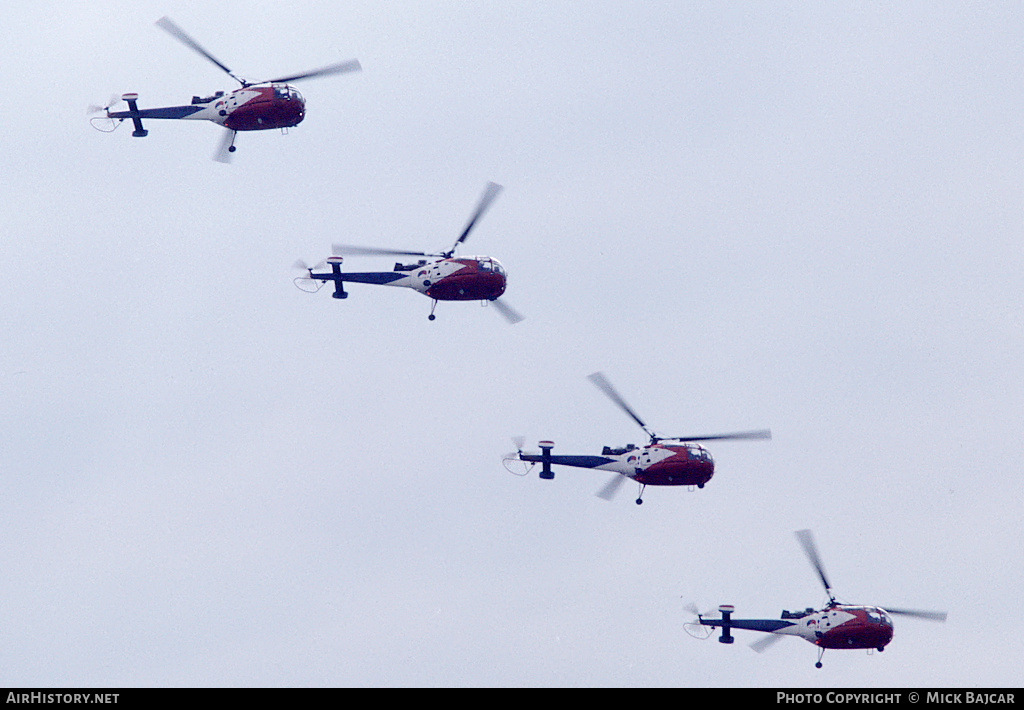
<point x="256" y="106"/>
<point x="837" y="626"/>
<point x="440" y="277"/>
<point x="657" y="464"/>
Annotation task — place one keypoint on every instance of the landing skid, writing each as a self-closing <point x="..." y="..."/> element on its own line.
<point x="227" y="146"/>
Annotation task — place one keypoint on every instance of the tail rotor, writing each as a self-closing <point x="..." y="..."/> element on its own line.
<point x="104" y="123"/>
<point x="305" y="281"/>
<point x="513" y="463"/>
<point x="696" y="629"/>
<point x="93" y="108"/>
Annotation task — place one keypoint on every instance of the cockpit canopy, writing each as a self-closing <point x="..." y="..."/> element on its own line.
<point x="487" y="264"/>
<point x="286" y="92"/>
<point x="878" y="616"/>
<point x="697" y="453"/>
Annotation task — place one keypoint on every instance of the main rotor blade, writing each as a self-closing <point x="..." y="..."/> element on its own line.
<point x="602" y="383"/>
<point x="765" y="642"/>
<point x="492" y="190"/>
<point x="918" y="613"/>
<point x="339" y="68"/>
<point x="165" y="23"/>
<point x="508" y="312"/>
<point x="611" y="489"/>
<point x="807" y="541"/>
<point x="759" y="434"/>
<point x="350" y="250"/>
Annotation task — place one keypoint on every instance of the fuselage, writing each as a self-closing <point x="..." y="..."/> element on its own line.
<point x="251" y="108"/>
<point x="837" y="626"/>
<point x="464" y="278"/>
<point x="653" y="465"/>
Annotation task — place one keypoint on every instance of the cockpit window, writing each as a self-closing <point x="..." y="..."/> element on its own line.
<point x="286" y="93"/>
<point x="484" y="265"/>
<point x="879" y="615"/>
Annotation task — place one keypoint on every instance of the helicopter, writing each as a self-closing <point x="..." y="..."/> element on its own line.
<point x="441" y="276"/>
<point x="836" y="626"/>
<point x="658" y="464"/>
<point x="255" y="106"/>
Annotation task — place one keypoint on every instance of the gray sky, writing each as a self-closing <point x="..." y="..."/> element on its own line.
<point x="799" y="216"/>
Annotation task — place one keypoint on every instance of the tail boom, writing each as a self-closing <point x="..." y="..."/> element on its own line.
<point x="727" y="624"/>
<point x="136" y="114"/>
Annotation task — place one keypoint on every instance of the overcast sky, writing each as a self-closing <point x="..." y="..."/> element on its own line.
<point x="798" y="216"/>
